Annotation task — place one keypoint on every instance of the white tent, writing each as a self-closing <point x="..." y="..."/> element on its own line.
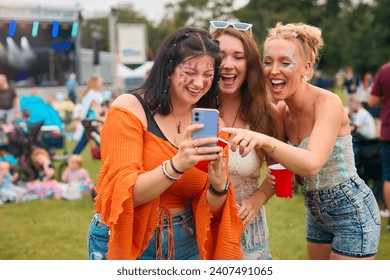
<point x="141" y="70"/>
<point x="124" y="71"/>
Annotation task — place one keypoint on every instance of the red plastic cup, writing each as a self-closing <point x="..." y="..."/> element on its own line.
<point x="203" y="165"/>
<point x="283" y="180"/>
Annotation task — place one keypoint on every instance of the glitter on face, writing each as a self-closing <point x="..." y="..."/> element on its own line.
<point x="293" y="62"/>
<point x="188" y="72"/>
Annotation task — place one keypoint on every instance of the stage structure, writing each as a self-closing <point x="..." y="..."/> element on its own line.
<point x="39" y="44"/>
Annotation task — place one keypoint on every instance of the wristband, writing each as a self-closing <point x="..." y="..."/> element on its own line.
<point x="164" y="169"/>
<point x="174" y="168"/>
<point x="217" y="193"/>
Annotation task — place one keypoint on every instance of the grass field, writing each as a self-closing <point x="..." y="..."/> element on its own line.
<point x="57" y="229"/>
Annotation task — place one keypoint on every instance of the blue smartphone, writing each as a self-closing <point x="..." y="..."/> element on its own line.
<point x="208" y="117"/>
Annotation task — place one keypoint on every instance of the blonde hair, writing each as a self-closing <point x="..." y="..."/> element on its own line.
<point x="5" y="165"/>
<point x="35" y="154"/>
<point x="76" y="159"/>
<point x="308" y="38"/>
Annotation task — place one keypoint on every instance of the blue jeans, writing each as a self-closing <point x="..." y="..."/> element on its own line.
<point x="385" y="157"/>
<point x="346" y="216"/>
<point x="81" y="144"/>
<point x="185" y="248"/>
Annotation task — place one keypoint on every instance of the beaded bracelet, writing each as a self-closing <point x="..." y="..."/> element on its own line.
<point x="174" y="168"/>
<point x="164" y="169"/>
<point x="217" y="193"/>
<point x="274" y="147"/>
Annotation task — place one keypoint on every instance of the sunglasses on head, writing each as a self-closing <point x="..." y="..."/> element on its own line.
<point x="241" y="26"/>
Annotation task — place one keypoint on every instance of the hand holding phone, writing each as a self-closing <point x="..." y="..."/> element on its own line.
<point x="210" y="119"/>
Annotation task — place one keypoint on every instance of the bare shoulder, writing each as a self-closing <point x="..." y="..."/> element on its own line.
<point x="327" y="98"/>
<point x="130" y="103"/>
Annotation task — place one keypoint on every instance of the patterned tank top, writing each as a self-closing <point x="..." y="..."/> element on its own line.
<point x="339" y="167"/>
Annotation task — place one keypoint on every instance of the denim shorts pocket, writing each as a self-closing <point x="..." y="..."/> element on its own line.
<point x="98" y="238"/>
<point x="99" y="231"/>
<point x="341" y="210"/>
<point x="372" y="206"/>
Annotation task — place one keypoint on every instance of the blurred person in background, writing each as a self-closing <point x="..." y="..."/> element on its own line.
<point x="363" y="127"/>
<point x="351" y="84"/>
<point x="9" y="102"/>
<point x="71" y="85"/>
<point x="380" y="95"/>
<point x="90" y="108"/>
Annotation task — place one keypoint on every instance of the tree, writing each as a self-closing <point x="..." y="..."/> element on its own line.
<point x="200" y="12"/>
<point x="355" y="32"/>
<point x="264" y="14"/>
<point x="379" y="34"/>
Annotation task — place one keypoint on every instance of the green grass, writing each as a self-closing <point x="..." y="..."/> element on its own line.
<point x="57" y="229"/>
<point x="286" y="222"/>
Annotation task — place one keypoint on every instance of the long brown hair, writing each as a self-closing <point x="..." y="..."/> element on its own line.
<point x="256" y="107"/>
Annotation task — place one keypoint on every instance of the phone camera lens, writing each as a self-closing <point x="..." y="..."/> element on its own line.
<point x="197" y="114"/>
<point x="196" y="119"/>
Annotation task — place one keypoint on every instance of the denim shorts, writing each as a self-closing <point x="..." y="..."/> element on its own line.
<point x="385" y="157"/>
<point x="185" y="244"/>
<point x="254" y="240"/>
<point x="346" y="216"/>
<point x="98" y="237"/>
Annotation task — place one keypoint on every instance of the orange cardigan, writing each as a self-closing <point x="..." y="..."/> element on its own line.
<point x="127" y="150"/>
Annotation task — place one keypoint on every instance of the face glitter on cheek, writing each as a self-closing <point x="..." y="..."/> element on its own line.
<point x="206" y="82"/>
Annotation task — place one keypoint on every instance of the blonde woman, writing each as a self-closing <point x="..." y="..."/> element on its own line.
<point x="90" y="108"/>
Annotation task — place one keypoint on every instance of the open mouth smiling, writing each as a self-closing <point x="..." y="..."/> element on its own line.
<point x="229" y="78"/>
<point x="277" y="85"/>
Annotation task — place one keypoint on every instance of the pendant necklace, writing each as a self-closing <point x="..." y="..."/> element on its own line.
<point x="179" y="127"/>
